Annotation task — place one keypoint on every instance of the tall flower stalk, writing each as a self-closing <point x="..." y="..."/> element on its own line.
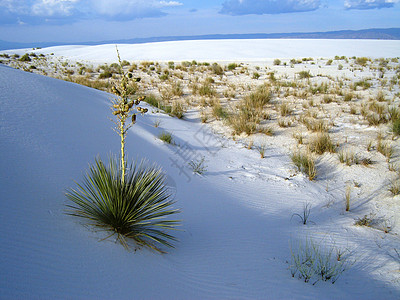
<point x="125" y="109"/>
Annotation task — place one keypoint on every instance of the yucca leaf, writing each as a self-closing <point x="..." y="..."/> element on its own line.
<point x="134" y="208"/>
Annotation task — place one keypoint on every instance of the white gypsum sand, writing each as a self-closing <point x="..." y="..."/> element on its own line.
<point x="237" y="217"/>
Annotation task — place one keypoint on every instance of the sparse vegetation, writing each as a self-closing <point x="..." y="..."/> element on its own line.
<point x="322" y="143"/>
<point x="166" y="137"/>
<point x="311" y="263"/>
<point x="305" y="163"/>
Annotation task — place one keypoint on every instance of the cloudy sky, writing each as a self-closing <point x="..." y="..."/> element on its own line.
<point x="99" y="20"/>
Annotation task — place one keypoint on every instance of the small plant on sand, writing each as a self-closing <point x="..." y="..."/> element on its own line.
<point x="311" y="263"/>
<point x="166" y="137"/>
<point x="129" y="202"/>
<point x="347" y="196"/>
<point x="304" y="74"/>
<point x="394" y="187"/>
<point x="277" y="62"/>
<point x="198" y="166"/>
<point x="261" y="149"/>
<point x="322" y="143"/>
<point x="305" y="163"/>
<point x="131" y="208"/>
<point x="304" y="217"/>
<point x="395" y="127"/>
<point x="367" y="220"/>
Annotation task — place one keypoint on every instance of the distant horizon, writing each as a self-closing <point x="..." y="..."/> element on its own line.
<point x="370" y="33"/>
<point x="82" y="21"/>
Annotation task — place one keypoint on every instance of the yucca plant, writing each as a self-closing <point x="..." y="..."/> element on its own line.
<point x="135" y="208"/>
<point x="133" y="201"/>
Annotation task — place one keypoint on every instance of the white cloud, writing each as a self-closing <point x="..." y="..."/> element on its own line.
<point x="169" y="3"/>
<point x="50" y="8"/>
<point x="246" y="7"/>
<point x="37" y="11"/>
<point x="369" y="4"/>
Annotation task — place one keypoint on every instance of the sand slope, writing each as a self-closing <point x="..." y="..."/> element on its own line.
<point x="236" y="233"/>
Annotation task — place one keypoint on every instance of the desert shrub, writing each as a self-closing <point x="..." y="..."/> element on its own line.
<point x="322" y="143"/>
<point x="304" y="74"/>
<point x="277" y="62"/>
<point x="305" y="163"/>
<point x="105" y="74"/>
<point x="232" y="66"/>
<point x="217" y="69"/>
<point x="362" y="61"/>
<point x="25" y="57"/>
<point x="134" y="208"/>
<point x="256" y="75"/>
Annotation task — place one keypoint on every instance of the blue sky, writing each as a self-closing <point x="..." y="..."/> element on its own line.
<point x="99" y="20"/>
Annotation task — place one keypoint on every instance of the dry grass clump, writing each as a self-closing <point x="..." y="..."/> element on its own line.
<point x="250" y="111"/>
<point x="315" y="125"/>
<point x="285" y="109"/>
<point x="305" y="163"/>
<point x="89" y="82"/>
<point x="385" y="149"/>
<point x="322" y="143"/>
<point x="206" y="90"/>
<point x="217" y="110"/>
<point x="394" y="187"/>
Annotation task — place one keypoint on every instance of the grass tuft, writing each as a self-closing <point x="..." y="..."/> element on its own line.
<point x="305" y="163"/>
<point x="322" y="143"/>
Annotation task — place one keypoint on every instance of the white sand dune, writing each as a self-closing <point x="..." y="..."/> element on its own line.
<point x="236" y="219"/>
<point x="230" y="50"/>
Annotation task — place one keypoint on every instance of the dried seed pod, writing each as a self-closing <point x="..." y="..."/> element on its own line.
<point x="142" y="98"/>
<point x="116" y="105"/>
<point x="130" y="104"/>
<point x="123" y="84"/>
<point x="115" y="90"/>
<point x="145" y="110"/>
<point x="133" y="118"/>
<point x="126" y="108"/>
<point x="130" y="75"/>
<point x="137" y="102"/>
<point x="138" y="79"/>
<point x="117" y="112"/>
